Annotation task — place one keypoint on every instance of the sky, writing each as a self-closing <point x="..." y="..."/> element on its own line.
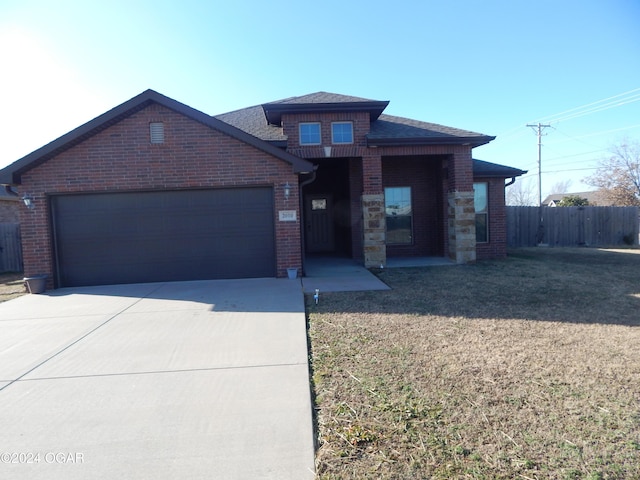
<point x="489" y="66"/>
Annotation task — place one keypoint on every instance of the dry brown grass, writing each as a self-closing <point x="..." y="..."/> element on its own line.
<point x="526" y="368"/>
<point x="11" y="286"/>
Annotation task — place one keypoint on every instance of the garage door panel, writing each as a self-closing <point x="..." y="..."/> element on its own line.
<point x="164" y="236"/>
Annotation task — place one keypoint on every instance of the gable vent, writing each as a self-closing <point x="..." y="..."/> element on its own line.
<point x="156" y="131"/>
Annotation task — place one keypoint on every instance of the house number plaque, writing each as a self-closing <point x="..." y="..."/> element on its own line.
<point x="287" y="215"/>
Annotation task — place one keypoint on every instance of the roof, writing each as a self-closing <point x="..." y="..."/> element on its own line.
<point x="264" y="121"/>
<point x="488" y="169"/>
<point x="392" y="130"/>
<point x="322" y="102"/>
<point x="594" y="197"/>
<point x="11" y="175"/>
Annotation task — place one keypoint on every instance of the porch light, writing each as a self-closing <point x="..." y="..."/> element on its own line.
<point x="28" y="201"/>
<point x="287" y="191"/>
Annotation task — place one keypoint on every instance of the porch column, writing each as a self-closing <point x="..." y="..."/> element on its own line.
<point x="461" y="209"/>
<point x="373" y="215"/>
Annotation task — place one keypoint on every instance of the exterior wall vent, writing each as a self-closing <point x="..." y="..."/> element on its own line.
<point x="156" y="132"/>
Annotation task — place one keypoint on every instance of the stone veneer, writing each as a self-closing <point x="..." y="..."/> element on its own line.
<point x="374" y="227"/>
<point x="462" y="227"/>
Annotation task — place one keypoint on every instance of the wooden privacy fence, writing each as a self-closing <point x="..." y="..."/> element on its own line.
<point x="572" y="226"/>
<point x="10" y="248"/>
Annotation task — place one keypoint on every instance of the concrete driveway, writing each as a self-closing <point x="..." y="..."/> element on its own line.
<point x="184" y="380"/>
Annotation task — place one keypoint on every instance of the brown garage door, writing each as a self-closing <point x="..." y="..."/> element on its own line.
<point x="102" y="239"/>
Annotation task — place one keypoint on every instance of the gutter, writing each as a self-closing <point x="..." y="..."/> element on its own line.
<point x="10" y="191"/>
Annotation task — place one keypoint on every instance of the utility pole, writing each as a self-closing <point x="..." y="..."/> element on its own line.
<point x="539" y="128"/>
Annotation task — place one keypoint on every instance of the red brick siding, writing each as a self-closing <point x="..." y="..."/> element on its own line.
<point x="422" y="174"/>
<point x="360" y="122"/>
<point x="121" y="158"/>
<point x="497" y="245"/>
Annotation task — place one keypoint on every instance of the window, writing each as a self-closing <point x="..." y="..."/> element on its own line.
<point x="481" y="201"/>
<point x="398" y="211"/>
<point x="342" y="132"/>
<point x="309" y="134"/>
<point x="156" y="132"/>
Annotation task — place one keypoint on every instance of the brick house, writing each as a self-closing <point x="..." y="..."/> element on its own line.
<point x="154" y="190"/>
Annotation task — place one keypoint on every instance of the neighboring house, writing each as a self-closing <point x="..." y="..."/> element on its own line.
<point x="595" y="198"/>
<point x="155" y="190"/>
<point x="9" y="207"/>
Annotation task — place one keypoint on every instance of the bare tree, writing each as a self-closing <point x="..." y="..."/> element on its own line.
<point x="618" y="175"/>
<point x="522" y="193"/>
<point x="560" y="187"/>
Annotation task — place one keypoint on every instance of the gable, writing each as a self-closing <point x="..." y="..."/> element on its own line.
<point x="11" y="175"/>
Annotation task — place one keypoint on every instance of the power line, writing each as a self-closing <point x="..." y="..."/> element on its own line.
<point x="551" y="118"/>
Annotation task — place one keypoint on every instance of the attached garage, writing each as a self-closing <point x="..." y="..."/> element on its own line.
<point x="133" y="237"/>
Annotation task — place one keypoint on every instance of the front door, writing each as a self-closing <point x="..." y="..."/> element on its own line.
<point x="319" y="223"/>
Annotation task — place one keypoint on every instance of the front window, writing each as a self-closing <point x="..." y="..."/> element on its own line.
<point x="481" y="201"/>
<point x="309" y="134"/>
<point x="342" y="132"/>
<point x="399" y="215"/>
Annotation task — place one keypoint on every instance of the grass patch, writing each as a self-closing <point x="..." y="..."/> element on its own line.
<point x="527" y="367"/>
<point x="11" y="286"/>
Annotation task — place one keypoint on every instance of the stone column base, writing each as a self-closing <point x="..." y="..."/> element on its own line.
<point x="373" y="223"/>
<point x="462" y="227"/>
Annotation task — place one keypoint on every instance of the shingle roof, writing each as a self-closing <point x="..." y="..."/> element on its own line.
<point x="321" y="97"/>
<point x="389" y="129"/>
<point x="263" y="121"/>
<point x="488" y="169"/>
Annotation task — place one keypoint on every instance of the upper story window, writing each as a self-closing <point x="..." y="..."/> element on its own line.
<point x="342" y="132"/>
<point x="310" y="133"/>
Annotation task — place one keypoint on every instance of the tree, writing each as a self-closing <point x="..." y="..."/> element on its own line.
<point x="573" y="201"/>
<point x="560" y="187"/>
<point x="618" y="175"/>
<point x="521" y="194"/>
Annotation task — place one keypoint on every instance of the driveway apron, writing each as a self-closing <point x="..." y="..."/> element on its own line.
<point x="204" y="379"/>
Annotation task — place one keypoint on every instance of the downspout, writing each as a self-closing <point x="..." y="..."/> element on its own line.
<point x="513" y="180"/>
<point x="302" y="228"/>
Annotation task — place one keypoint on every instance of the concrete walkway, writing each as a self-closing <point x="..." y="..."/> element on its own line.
<point x="157" y="381"/>
<point x="337" y="274"/>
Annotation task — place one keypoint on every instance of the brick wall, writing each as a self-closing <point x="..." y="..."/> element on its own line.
<point x="360" y="120"/>
<point x="423" y="175"/>
<point x="121" y="158"/>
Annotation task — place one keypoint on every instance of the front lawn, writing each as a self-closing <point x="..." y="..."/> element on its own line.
<point x="11" y="286"/>
<point x="524" y="368"/>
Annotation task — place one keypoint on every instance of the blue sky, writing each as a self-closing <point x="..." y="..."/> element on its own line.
<point x="488" y="66"/>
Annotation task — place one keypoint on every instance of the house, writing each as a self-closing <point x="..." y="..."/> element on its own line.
<point x="595" y="198"/>
<point x="155" y="190"/>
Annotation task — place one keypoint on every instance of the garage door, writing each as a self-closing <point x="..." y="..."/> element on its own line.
<point x="102" y="239"/>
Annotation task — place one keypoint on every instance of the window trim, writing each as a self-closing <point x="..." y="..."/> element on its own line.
<point x="333" y="136"/>
<point x="301" y="124"/>
<point x="411" y="233"/>
<point x="484" y="213"/>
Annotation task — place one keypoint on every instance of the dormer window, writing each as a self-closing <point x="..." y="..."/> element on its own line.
<point x="310" y="133"/>
<point x="342" y="132"/>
